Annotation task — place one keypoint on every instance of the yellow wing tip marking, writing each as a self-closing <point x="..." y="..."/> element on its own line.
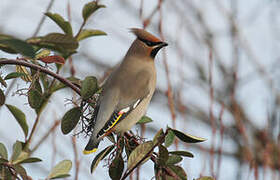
<point x="89" y="152"/>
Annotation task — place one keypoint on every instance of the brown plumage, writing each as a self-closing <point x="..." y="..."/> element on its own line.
<point x="128" y="90"/>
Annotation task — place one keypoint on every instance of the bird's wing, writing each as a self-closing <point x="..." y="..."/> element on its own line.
<point x="120" y="102"/>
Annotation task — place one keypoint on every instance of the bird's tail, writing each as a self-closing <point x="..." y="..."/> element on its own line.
<point x="92" y="146"/>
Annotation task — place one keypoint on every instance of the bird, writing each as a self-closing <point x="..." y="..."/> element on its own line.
<point x="128" y="90"/>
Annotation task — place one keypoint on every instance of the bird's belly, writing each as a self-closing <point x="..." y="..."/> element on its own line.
<point x="127" y="123"/>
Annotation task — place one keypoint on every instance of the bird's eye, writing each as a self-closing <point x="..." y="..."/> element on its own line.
<point x="149" y="43"/>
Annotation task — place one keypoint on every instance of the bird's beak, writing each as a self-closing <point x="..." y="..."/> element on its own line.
<point x="162" y="44"/>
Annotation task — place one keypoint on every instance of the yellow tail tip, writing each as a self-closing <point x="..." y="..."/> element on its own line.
<point x="89" y="152"/>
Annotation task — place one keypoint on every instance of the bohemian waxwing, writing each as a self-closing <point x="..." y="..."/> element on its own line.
<point x="128" y="90"/>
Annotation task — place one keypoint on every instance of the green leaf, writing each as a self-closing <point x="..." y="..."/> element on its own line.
<point x="186" y="137"/>
<point x="86" y="33"/>
<point x="35" y="95"/>
<point x="174" y="159"/>
<point x="205" y="178"/>
<point x="63" y="43"/>
<point x="2" y="160"/>
<point x="144" y="120"/>
<point x="20" y="117"/>
<point x="3" y="151"/>
<point x="19" y="46"/>
<point x="14" y="75"/>
<point x="17" y="148"/>
<point x="179" y="171"/>
<point x="162" y="155"/>
<point x="2" y="98"/>
<point x="182" y="153"/>
<point x="60" y="85"/>
<point x="139" y="153"/>
<point x="3" y="82"/>
<point x="43" y="53"/>
<point x="4" y="47"/>
<point x="61" y="169"/>
<point x="30" y="160"/>
<point x="59" y="20"/>
<point x="70" y="120"/>
<point x="157" y="137"/>
<point x="116" y="168"/>
<point x="89" y="87"/>
<point x="90" y="8"/>
<point x="21" y="171"/>
<point x="169" y="138"/>
<point x="99" y="157"/>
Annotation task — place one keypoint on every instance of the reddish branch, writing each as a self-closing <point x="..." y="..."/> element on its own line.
<point x="42" y="69"/>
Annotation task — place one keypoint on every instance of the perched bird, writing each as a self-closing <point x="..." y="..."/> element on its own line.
<point x="128" y="90"/>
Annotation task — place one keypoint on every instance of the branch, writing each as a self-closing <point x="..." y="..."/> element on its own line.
<point x="41" y="69"/>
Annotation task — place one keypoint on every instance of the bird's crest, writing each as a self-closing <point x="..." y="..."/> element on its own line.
<point x="144" y="35"/>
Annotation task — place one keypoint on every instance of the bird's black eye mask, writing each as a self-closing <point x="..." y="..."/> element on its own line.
<point x="149" y="43"/>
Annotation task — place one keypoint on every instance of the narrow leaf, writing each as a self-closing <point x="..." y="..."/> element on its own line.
<point x="163" y="154"/>
<point x="3" y="151"/>
<point x="53" y="59"/>
<point x="89" y="87"/>
<point x="86" y="33"/>
<point x="13" y="75"/>
<point x="179" y="171"/>
<point x="19" y="46"/>
<point x="43" y="53"/>
<point x="17" y="148"/>
<point x="20" y="117"/>
<point x="169" y="138"/>
<point x="139" y="153"/>
<point x="144" y="120"/>
<point x="99" y="157"/>
<point x="187" y="138"/>
<point x="182" y="153"/>
<point x="59" y="20"/>
<point x="21" y="69"/>
<point x="90" y="8"/>
<point x="30" y="160"/>
<point x="21" y="171"/>
<point x="174" y="159"/>
<point x="62" y="168"/>
<point x="3" y="82"/>
<point x="116" y="168"/>
<point x="70" y="120"/>
<point x="2" y="98"/>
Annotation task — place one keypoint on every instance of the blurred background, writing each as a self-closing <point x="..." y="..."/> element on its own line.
<point x="218" y="79"/>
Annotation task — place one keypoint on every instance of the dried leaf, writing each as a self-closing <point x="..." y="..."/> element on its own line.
<point x="53" y="59"/>
<point x="21" y="69"/>
<point x="20" y="117"/>
<point x="43" y="53"/>
<point x="86" y="33"/>
<point x="3" y="82"/>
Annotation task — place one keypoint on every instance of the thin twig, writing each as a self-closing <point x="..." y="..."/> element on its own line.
<point x="44" y="70"/>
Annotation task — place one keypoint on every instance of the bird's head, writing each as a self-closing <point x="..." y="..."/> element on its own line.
<point x="146" y="43"/>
